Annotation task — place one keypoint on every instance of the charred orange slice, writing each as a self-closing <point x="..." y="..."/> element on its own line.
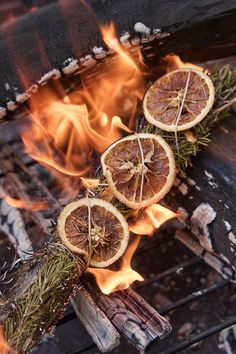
<point x="139" y="168"/>
<point x="179" y="100"/>
<point x="94" y="228"/>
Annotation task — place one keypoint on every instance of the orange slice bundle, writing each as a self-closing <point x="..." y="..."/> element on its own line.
<point x="94" y="228"/>
<point x="179" y="100"/>
<point x="139" y="168"/>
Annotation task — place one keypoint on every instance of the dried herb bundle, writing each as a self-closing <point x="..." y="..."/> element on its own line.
<point x="36" y="310"/>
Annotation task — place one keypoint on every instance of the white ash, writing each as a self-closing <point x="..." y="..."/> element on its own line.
<point x="183" y="188"/>
<point x="208" y="174"/>
<point x="53" y="74"/>
<point x="22" y="97"/>
<point x="141" y="28"/>
<point x="3" y="112"/>
<point x="11" y="106"/>
<point x="99" y="52"/>
<point x="7" y="86"/>
<point x="203" y="216"/>
<point x="124" y="37"/>
<point x="232" y="237"/>
<point x="70" y="66"/>
<point x="210" y="179"/>
<point x="197" y="188"/>
<point x="227" y="224"/>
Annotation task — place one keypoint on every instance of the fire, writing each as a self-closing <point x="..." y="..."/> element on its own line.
<point x="151" y="219"/>
<point x="110" y="281"/>
<point x="26" y="204"/>
<point x="67" y="135"/>
<point x="4" y="346"/>
<point x="174" y="62"/>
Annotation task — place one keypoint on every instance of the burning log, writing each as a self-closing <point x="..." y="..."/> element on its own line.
<point x="132" y="316"/>
<point x="100" y="314"/>
<point x="68" y="38"/>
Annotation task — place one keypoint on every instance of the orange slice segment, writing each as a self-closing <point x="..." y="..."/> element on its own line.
<point x="140" y="169"/>
<point x="97" y="223"/>
<point x="163" y="102"/>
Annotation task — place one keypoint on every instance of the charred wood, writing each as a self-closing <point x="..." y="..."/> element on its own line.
<point x="131" y="315"/>
<point x="60" y="39"/>
<point x="207" y="194"/>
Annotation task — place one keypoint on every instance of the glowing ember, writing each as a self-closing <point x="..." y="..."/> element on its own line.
<point x="151" y="219"/>
<point x="110" y="281"/>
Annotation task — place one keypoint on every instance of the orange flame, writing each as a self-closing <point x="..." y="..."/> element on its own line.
<point x="174" y="62"/>
<point x="152" y="218"/>
<point x="4" y="346"/>
<point x="67" y="135"/>
<point x="26" y="204"/>
<point x="110" y="281"/>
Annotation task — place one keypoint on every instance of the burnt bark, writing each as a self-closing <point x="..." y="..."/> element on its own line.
<point x="207" y="193"/>
<point x="42" y="44"/>
<point x="133" y="317"/>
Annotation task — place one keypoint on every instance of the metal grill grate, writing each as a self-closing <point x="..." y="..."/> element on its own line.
<point x="194" y="296"/>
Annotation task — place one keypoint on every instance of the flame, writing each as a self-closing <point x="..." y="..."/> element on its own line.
<point x="26" y="204"/>
<point x="4" y="346"/>
<point x="152" y="218"/>
<point x="67" y="135"/>
<point x="174" y="62"/>
<point x="110" y="281"/>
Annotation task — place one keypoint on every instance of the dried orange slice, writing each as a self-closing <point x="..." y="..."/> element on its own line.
<point x="179" y="100"/>
<point x="96" y="223"/>
<point x="139" y="168"/>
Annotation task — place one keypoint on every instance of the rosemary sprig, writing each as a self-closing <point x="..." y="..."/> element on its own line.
<point x="40" y="306"/>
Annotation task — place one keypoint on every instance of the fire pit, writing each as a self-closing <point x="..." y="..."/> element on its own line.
<point x="65" y="101"/>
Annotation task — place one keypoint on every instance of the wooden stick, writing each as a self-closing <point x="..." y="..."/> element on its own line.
<point x="99" y="327"/>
